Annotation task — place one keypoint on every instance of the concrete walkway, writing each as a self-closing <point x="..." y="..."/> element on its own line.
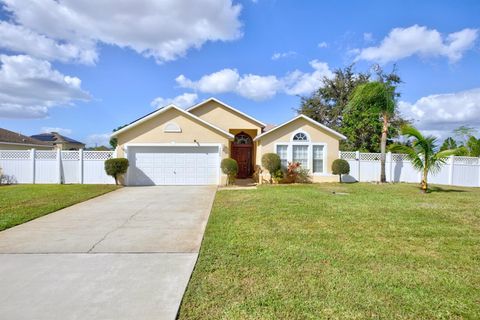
<point x="125" y="255"/>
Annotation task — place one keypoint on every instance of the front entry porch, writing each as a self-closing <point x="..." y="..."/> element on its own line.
<point x="242" y="150"/>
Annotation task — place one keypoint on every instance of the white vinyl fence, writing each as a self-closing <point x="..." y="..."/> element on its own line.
<point x="365" y="167"/>
<point x="39" y="166"/>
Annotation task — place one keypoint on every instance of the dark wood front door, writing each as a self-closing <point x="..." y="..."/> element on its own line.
<point x="242" y="152"/>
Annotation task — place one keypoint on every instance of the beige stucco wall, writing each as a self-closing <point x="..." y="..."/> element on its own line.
<point x="152" y="131"/>
<point x="225" y="118"/>
<point x="4" y="146"/>
<point x="317" y="135"/>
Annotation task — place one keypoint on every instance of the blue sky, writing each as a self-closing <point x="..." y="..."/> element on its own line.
<point x="110" y="60"/>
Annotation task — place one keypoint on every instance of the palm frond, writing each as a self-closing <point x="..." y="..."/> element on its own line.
<point x="411" y="153"/>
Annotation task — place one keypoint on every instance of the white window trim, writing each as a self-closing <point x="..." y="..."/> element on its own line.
<point x="300" y="131"/>
<point x="310" y="145"/>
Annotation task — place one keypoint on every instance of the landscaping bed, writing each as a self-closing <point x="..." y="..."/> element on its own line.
<point x="367" y="251"/>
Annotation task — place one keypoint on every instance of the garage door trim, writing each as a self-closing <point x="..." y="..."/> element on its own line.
<point x="133" y="145"/>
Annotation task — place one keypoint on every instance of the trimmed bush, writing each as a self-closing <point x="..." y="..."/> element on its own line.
<point x="271" y="162"/>
<point x="230" y="168"/>
<point x="340" y="166"/>
<point x="116" y="167"/>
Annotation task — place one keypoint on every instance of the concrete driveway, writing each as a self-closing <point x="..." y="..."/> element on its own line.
<point x="125" y="255"/>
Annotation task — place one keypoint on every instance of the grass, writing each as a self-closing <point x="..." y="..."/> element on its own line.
<point x="302" y="252"/>
<point x="22" y="203"/>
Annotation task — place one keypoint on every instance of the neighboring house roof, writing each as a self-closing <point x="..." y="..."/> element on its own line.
<point x="55" y="137"/>
<point x="164" y="109"/>
<point x="301" y="116"/>
<point x="228" y="107"/>
<point x="10" y="137"/>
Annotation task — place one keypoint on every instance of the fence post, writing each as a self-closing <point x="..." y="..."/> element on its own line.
<point x="32" y="158"/>
<point x="389" y="161"/>
<point x="59" y="166"/>
<point x="80" y="166"/>
<point x="451" y="161"/>
<point x="478" y="167"/>
<point x="357" y="157"/>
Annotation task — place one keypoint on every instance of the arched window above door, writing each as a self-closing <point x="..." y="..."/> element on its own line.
<point x="242" y="138"/>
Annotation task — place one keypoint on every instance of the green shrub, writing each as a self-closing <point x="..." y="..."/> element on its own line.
<point x="271" y="162"/>
<point x="278" y="175"/>
<point x="340" y="166"/>
<point x="230" y="168"/>
<point x="116" y="167"/>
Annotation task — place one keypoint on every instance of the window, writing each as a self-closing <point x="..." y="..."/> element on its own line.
<point x="242" y="138"/>
<point x="300" y="154"/>
<point x="300" y="137"/>
<point x="172" y="127"/>
<point x="282" y="153"/>
<point x="317" y="159"/>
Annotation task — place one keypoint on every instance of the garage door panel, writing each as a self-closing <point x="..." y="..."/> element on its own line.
<point x="173" y="165"/>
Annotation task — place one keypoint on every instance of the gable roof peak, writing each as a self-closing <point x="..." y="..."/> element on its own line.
<point x="162" y="110"/>
<point x="302" y="116"/>
<point x="228" y="107"/>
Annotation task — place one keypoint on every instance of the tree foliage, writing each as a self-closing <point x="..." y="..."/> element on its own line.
<point x="362" y="125"/>
<point x="448" y="144"/>
<point x="114" y="141"/>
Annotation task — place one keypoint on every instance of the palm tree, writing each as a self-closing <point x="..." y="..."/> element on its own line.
<point x="422" y="153"/>
<point x="380" y="97"/>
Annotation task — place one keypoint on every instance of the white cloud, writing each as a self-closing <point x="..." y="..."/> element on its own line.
<point x="183" y="101"/>
<point x="419" y="40"/>
<point x="323" y="44"/>
<point x="368" y="37"/>
<point x="444" y="112"/>
<point x="69" y="30"/>
<point x="98" y="139"/>
<point x="20" y="39"/>
<point x="300" y="83"/>
<point x="280" y="55"/>
<point x="259" y="87"/>
<point x="218" y="82"/>
<point x="29" y="87"/>
<point x="62" y="131"/>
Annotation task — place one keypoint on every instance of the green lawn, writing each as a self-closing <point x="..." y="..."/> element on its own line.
<point x="21" y="203"/>
<point x="302" y="252"/>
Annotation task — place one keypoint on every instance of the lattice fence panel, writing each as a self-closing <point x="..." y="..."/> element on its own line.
<point x="70" y="155"/>
<point x="98" y="155"/>
<point x="399" y="157"/>
<point x="466" y="160"/>
<point x="45" y="155"/>
<point x="370" y="156"/>
<point x="348" y="155"/>
<point x="15" y="155"/>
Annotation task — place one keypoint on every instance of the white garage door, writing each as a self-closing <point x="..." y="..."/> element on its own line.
<point x="173" y="165"/>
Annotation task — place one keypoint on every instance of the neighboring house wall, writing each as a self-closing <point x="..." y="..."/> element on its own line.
<point x="69" y="146"/>
<point x="283" y="136"/>
<point x="9" y="146"/>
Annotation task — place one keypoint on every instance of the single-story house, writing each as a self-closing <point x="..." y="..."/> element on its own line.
<point x="10" y="140"/>
<point x="173" y="146"/>
<point x="59" y="141"/>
